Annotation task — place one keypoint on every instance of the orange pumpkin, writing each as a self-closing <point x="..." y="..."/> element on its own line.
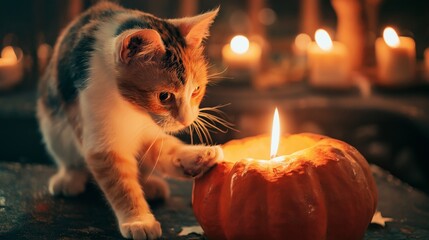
<point x="319" y="188"/>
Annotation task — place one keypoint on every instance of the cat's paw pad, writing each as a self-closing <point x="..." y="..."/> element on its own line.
<point x="145" y="227"/>
<point x="68" y="183"/>
<point x="199" y="159"/>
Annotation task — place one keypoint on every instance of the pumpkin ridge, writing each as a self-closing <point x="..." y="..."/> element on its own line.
<point x="319" y="194"/>
<point x="369" y="182"/>
<point x="348" y="204"/>
<point x="247" y="190"/>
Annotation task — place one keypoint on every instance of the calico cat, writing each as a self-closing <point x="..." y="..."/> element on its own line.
<point x="118" y="83"/>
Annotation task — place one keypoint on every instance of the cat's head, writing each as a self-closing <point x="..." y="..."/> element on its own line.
<point x="162" y="69"/>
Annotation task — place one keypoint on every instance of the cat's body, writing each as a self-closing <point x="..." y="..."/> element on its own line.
<point x="119" y="81"/>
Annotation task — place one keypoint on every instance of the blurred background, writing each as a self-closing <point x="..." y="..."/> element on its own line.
<point x="372" y="95"/>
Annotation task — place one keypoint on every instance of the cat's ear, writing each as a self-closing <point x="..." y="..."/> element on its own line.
<point x="195" y="29"/>
<point x="139" y="44"/>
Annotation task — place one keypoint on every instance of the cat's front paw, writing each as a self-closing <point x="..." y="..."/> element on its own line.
<point x="143" y="228"/>
<point x="196" y="160"/>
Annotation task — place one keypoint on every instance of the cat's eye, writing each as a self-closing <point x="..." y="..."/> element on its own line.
<point x="165" y="97"/>
<point x="196" y="91"/>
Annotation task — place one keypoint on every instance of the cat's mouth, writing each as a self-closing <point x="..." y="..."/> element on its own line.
<point x="171" y="125"/>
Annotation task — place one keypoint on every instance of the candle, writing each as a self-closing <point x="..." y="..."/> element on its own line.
<point x="44" y="52"/>
<point x="241" y="54"/>
<point x="328" y="62"/>
<point x="396" y="59"/>
<point x="11" y="67"/>
<point x="351" y="29"/>
<point x="315" y="182"/>
<point x="300" y="45"/>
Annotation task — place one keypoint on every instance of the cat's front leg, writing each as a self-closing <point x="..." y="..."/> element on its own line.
<point x="176" y="159"/>
<point x="117" y="175"/>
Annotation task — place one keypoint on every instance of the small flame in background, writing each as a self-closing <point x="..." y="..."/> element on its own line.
<point x="240" y="44"/>
<point x="391" y="37"/>
<point x="8" y="55"/>
<point x="323" y="39"/>
<point x="275" y="135"/>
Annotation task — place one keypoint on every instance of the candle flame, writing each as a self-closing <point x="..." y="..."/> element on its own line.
<point x="301" y="41"/>
<point x="323" y="40"/>
<point x="391" y="37"/>
<point x="9" y="54"/>
<point x="275" y="135"/>
<point x="239" y="44"/>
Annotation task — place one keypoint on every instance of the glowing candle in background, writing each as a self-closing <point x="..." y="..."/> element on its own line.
<point x="44" y="52"/>
<point x="351" y="29"/>
<point x="300" y="45"/>
<point x="11" y="67"/>
<point x="396" y="59"/>
<point x="240" y="44"/>
<point x="241" y="53"/>
<point x="328" y="61"/>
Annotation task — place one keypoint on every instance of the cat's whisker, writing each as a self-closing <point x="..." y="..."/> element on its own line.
<point x="204" y="138"/>
<point x="215" y="108"/>
<point x="207" y="122"/>
<point x="134" y="138"/>
<point x="217" y="74"/>
<point x="210" y="124"/>
<point x="190" y="134"/>
<point x="157" y="160"/>
<point x="197" y="131"/>
<point x="159" y="153"/>
<point x="213" y="119"/>
<point x="206" y="132"/>
<point x="141" y="160"/>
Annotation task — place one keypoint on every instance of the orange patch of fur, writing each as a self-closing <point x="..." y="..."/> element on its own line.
<point x="125" y="195"/>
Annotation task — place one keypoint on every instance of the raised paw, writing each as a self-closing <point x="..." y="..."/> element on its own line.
<point x="196" y="160"/>
<point x="142" y="228"/>
<point x="68" y="182"/>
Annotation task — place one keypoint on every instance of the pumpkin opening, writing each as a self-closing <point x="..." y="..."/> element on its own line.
<point x="259" y="147"/>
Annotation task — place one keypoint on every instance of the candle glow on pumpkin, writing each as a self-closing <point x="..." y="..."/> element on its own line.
<point x="391" y="37"/>
<point x="323" y="40"/>
<point x="239" y="44"/>
<point x="275" y="135"/>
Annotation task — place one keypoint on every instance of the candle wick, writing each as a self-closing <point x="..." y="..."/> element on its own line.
<point x="273" y="156"/>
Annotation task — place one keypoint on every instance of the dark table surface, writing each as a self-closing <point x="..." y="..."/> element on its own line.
<point x="27" y="211"/>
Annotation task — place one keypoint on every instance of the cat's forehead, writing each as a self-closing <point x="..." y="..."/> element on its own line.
<point x="173" y="41"/>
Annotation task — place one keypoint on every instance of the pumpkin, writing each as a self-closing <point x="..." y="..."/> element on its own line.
<point x="319" y="188"/>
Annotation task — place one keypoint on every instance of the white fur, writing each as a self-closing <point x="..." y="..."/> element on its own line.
<point x="187" y="112"/>
<point x="110" y="121"/>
